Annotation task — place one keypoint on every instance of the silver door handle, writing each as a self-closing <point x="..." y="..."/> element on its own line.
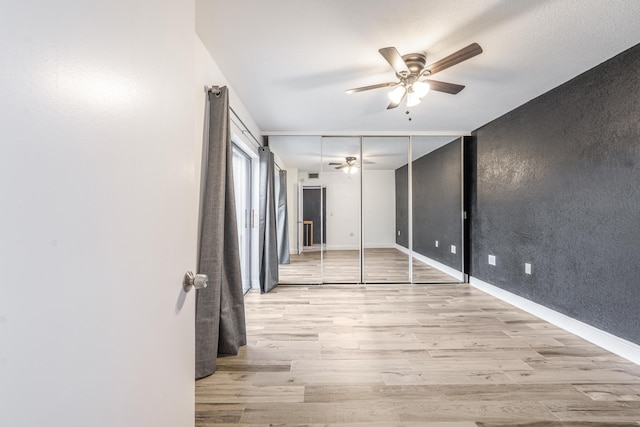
<point x="198" y="281"/>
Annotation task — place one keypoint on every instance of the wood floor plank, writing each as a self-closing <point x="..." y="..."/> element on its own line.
<point x="611" y="392"/>
<point x="475" y="410"/>
<point x="286" y="413"/>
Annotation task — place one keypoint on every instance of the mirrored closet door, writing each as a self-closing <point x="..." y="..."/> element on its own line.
<point x="373" y="209"/>
<point x="300" y="157"/>
<point x="340" y="176"/>
<point x="384" y="209"/>
<point x="436" y="209"/>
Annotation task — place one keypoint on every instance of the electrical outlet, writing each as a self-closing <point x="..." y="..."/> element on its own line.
<point x="437" y="244"/>
<point x="527" y="268"/>
<point x="453" y="249"/>
<point x="492" y="260"/>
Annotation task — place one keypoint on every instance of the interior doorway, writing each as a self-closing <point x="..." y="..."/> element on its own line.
<point x="314" y="218"/>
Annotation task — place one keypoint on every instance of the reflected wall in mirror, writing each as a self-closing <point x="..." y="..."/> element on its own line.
<point x="384" y="261"/>
<point x="436" y="209"/>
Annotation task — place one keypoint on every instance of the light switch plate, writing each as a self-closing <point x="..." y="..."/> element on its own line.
<point x="527" y="268"/>
<point x="492" y="260"/>
<point x="453" y="249"/>
<point x="437" y="243"/>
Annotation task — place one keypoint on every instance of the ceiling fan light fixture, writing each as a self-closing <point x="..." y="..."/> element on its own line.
<point x="421" y="89"/>
<point x="412" y="99"/>
<point x="396" y="95"/>
<point x="350" y="170"/>
<point x="410" y="68"/>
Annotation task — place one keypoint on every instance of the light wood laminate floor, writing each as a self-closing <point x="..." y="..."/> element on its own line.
<point x="381" y="265"/>
<point x="412" y="355"/>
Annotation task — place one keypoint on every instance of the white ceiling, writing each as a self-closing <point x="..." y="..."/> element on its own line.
<point x="290" y="61"/>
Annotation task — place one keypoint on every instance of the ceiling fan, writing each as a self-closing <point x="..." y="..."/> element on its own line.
<point x="350" y="164"/>
<point x="412" y="74"/>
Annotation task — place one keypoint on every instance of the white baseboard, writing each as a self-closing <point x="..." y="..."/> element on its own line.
<point x="342" y="247"/>
<point x="612" y="343"/>
<point x="330" y="247"/>
<point x="433" y="263"/>
<point x="402" y="249"/>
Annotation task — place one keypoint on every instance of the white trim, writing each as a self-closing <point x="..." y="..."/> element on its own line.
<point x="433" y="263"/>
<point x="342" y="247"/>
<point x="612" y="343"/>
<point x="367" y="133"/>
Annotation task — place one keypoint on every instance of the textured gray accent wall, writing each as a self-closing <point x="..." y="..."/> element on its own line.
<point x="437" y="204"/>
<point x="558" y="185"/>
<point x="469" y="167"/>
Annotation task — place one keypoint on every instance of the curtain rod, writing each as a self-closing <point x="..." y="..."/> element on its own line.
<point x="244" y="129"/>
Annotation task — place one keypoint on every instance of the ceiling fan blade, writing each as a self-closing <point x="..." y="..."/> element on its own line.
<point x="379" y="85"/>
<point x="445" y="87"/>
<point x="396" y="104"/>
<point x="394" y="59"/>
<point x="455" y="58"/>
<point x="341" y="166"/>
<point x="335" y="164"/>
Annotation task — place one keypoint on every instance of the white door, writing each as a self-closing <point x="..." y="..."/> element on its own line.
<point x="98" y="214"/>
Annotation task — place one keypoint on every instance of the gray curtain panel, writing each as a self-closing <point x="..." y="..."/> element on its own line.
<point x="267" y="230"/>
<point x="220" y="322"/>
<point x="283" y="223"/>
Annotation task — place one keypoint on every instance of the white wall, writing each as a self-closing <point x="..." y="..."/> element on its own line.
<point x="99" y="190"/>
<point x="343" y="208"/>
<point x="379" y="208"/>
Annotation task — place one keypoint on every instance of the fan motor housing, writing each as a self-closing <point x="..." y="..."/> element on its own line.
<point x="415" y="62"/>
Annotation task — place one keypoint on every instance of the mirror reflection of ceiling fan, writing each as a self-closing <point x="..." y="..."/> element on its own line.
<point x="412" y="74"/>
<point x="350" y="164"/>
